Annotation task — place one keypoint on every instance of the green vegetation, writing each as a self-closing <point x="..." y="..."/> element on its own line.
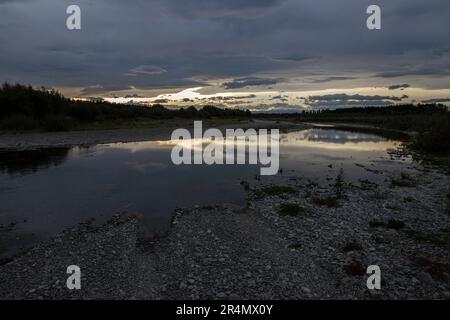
<point x="437" y="270"/>
<point x="332" y="201"/>
<point x="339" y="184"/>
<point x="329" y="201"/>
<point x="403" y="181"/>
<point x="292" y="209"/>
<point x="439" y="239"/>
<point x="390" y="224"/>
<point x="352" y="246"/>
<point x="24" y="108"/>
<point x="275" y="190"/>
<point x="355" y="268"/>
<point x="245" y="185"/>
<point x="295" y="246"/>
<point x="447" y="204"/>
<point x="430" y="122"/>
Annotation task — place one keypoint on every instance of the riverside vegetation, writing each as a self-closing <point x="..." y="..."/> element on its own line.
<point x="23" y="108"/>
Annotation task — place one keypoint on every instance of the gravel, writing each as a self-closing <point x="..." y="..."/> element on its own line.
<point x="226" y="252"/>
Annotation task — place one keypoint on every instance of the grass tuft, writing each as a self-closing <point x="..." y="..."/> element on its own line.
<point x="404" y="181"/>
<point x="292" y="209"/>
<point x="275" y="190"/>
<point x="390" y="224"/>
<point x="355" y="268"/>
<point x="329" y="201"/>
<point x="352" y="246"/>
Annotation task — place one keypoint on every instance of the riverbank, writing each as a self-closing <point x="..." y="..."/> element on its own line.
<point x="292" y="241"/>
<point x="155" y="130"/>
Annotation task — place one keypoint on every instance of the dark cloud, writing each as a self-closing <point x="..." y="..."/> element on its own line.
<point x="280" y="97"/>
<point x="249" y="82"/>
<point x="99" y="89"/>
<point x="161" y="101"/>
<point x="133" y="96"/>
<point x="146" y="70"/>
<point x="280" y="107"/>
<point x="438" y="68"/>
<point x="342" y="100"/>
<point x="149" y="44"/>
<point x="328" y="79"/>
<point x="399" y="86"/>
<point x="437" y="100"/>
<point x="355" y="97"/>
<point x="291" y="58"/>
<point x="195" y="9"/>
<point x="231" y="98"/>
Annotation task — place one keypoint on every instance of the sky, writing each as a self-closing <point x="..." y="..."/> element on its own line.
<point x="262" y="55"/>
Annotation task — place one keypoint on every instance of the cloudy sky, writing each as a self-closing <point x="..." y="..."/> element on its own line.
<point x="279" y="55"/>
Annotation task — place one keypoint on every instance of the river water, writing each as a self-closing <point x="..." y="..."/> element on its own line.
<point x="44" y="191"/>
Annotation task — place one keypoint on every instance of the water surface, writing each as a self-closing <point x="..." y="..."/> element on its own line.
<point x="42" y="192"/>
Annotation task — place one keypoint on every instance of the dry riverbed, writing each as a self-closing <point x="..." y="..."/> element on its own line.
<point x="294" y="240"/>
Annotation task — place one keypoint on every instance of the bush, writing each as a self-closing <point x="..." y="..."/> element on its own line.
<point x="330" y="202"/>
<point x="291" y="209"/>
<point x="58" y="123"/>
<point x="52" y="111"/>
<point x="404" y="180"/>
<point x="352" y="246"/>
<point x="435" y="138"/>
<point x="339" y="184"/>
<point x="278" y="190"/>
<point x="355" y="268"/>
<point x="391" y="224"/>
<point x="18" y="122"/>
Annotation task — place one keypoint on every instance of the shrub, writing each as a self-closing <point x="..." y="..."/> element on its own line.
<point x="295" y="246"/>
<point x="329" y="201"/>
<point x="390" y="224"/>
<point x="435" y="137"/>
<point x="58" y="123"/>
<point x="355" y="268"/>
<point x="18" y="122"/>
<point x="447" y="205"/>
<point x="291" y="209"/>
<point x="278" y="190"/>
<point x="352" y="246"/>
<point x="339" y="184"/>
<point x="403" y="181"/>
<point x="245" y="185"/>
<point x="437" y="270"/>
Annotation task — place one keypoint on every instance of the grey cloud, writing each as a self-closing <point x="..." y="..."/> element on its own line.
<point x="356" y="97"/>
<point x="334" y="101"/>
<point x="99" y="89"/>
<point x="277" y="108"/>
<point x="399" y="86"/>
<point x="437" y="100"/>
<point x="230" y="98"/>
<point x="293" y="58"/>
<point x="133" y="96"/>
<point x="215" y="8"/>
<point x="214" y="40"/>
<point x="348" y="104"/>
<point x="146" y="70"/>
<point x="249" y="82"/>
<point x="328" y="79"/>
<point x="424" y="69"/>
<point x="280" y="97"/>
<point x="161" y="101"/>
